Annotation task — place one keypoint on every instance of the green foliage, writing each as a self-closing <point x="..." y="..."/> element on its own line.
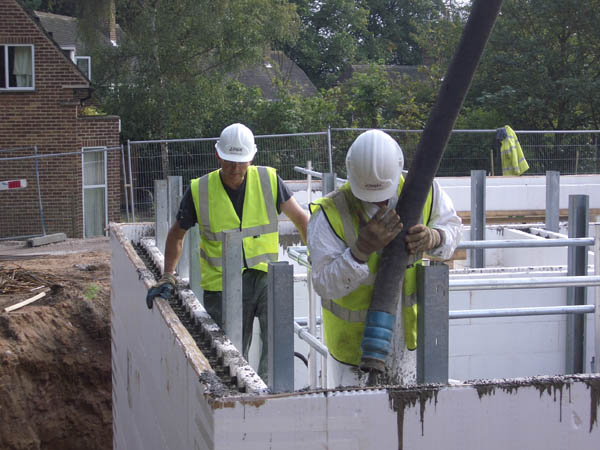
<point x="167" y="76"/>
<point x="329" y="37"/>
<point x="31" y="4"/>
<point x="392" y="27"/>
<point x="540" y="69"/>
<point x="91" y="291"/>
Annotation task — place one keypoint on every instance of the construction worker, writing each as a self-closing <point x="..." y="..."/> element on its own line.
<point x="236" y="196"/>
<point x="346" y="233"/>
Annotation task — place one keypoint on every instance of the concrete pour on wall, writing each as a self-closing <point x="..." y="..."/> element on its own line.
<point x="166" y="394"/>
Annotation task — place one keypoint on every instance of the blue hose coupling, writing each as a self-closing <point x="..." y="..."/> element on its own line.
<point x="378" y="333"/>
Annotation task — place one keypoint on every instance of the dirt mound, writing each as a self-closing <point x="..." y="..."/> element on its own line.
<point x="55" y="366"/>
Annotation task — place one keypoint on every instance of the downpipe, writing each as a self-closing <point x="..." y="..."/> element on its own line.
<point x="381" y="317"/>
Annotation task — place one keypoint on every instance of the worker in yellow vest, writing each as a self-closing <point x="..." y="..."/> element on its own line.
<point x="346" y="233"/>
<point x="236" y="196"/>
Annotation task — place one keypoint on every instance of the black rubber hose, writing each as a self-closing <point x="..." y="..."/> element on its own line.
<point x="392" y="265"/>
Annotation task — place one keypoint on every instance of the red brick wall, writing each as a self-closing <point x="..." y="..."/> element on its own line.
<point x="48" y="118"/>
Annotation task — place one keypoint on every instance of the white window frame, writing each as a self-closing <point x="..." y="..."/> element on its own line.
<point x="4" y="55"/>
<point x="89" y="60"/>
<point x="84" y="187"/>
<point x="71" y="50"/>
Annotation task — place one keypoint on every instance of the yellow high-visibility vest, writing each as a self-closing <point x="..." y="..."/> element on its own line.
<point x="344" y="318"/>
<point x="216" y="214"/>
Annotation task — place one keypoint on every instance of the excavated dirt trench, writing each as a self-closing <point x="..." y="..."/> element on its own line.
<point x="55" y="366"/>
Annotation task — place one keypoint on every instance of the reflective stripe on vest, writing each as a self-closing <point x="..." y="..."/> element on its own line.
<point x="343" y="319"/>
<point x="216" y="214"/>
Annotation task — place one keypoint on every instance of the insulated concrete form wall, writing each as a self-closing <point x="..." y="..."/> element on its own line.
<point x="161" y="398"/>
<point x="524" y="193"/>
<point x="500" y="347"/>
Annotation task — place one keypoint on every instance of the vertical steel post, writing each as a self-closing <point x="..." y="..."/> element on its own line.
<point x="576" y="266"/>
<point x="432" y="323"/>
<point x="39" y="191"/>
<point x="161" y="213"/>
<point x="175" y="192"/>
<point x="312" y="329"/>
<point x="552" y="200"/>
<point x="125" y="183"/>
<point x="175" y="196"/>
<point x="232" y="287"/>
<point x="328" y="183"/>
<point x="596" y="367"/>
<point x="193" y="239"/>
<point x="131" y="182"/>
<point x="329" y="149"/>
<point x="280" y="312"/>
<point x="477" y="216"/>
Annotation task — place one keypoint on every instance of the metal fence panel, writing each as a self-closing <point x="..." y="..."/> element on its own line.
<point x="568" y="152"/>
<point x="21" y="215"/>
<point x="193" y="158"/>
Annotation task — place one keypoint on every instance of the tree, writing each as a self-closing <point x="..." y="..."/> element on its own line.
<point x="329" y="37"/>
<point x="541" y="68"/>
<point x="170" y="67"/>
<point x="392" y="27"/>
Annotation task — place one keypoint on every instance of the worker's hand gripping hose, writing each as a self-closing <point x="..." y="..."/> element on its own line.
<point x="164" y="288"/>
<point x="394" y="258"/>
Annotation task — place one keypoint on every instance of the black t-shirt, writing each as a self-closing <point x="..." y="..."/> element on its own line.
<point x="186" y="215"/>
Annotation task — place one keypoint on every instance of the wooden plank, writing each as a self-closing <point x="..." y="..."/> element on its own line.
<point x="25" y="302"/>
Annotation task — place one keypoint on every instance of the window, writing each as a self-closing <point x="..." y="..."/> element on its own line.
<point x="69" y="52"/>
<point x="16" y="67"/>
<point x="85" y="65"/>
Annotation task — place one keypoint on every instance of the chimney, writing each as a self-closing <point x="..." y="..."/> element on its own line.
<point x="112" y="23"/>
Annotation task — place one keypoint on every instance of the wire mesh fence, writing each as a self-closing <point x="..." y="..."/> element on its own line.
<point x="21" y="208"/>
<point x="568" y="152"/>
<point x="193" y="158"/>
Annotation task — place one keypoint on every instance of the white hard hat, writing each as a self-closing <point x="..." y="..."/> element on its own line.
<point x="236" y="143"/>
<point x="374" y="164"/>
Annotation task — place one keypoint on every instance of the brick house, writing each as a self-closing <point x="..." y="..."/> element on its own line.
<point x="42" y="92"/>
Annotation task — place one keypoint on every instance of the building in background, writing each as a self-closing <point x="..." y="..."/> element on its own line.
<point x="44" y="86"/>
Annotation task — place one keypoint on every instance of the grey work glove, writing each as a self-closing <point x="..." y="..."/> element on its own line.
<point x="374" y="235"/>
<point x="165" y="288"/>
<point x="420" y="238"/>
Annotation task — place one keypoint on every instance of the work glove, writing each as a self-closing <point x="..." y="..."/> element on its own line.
<point x="383" y="227"/>
<point x="165" y="288"/>
<point x="420" y="238"/>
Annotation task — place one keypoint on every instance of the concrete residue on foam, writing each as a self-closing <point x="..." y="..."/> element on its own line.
<point x="401" y="397"/>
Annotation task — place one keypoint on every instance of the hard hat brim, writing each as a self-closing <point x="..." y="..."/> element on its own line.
<point x="235" y="158"/>
<point x="374" y="196"/>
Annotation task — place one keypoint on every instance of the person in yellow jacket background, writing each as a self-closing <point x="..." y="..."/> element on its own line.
<point x="236" y="196"/>
<point x="347" y="231"/>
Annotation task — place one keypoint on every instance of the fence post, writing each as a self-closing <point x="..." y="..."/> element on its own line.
<point x="280" y="311"/>
<point x="552" y="200"/>
<point x="477" y="216"/>
<point x="131" y="181"/>
<point x="161" y="213"/>
<point x="576" y="266"/>
<point x="433" y="323"/>
<point x="125" y="185"/>
<point x="232" y="304"/>
<point x="39" y="192"/>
